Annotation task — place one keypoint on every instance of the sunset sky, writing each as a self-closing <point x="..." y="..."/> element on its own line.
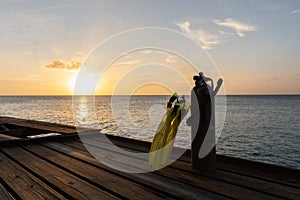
<point x="254" y="43"/>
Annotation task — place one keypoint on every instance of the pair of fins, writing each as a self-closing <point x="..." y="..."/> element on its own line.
<point x="164" y="138"/>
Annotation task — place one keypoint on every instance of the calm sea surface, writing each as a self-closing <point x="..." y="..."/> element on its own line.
<point x="262" y="128"/>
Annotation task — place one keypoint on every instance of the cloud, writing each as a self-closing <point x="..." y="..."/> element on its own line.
<point x="73" y="64"/>
<point x="237" y="25"/>
<point x="207" y="40"/>
<point x="295" y="12"/>
<point x="225" y="33"/>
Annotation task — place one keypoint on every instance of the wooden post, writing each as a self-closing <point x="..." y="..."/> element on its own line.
<point x="203" y="148"/>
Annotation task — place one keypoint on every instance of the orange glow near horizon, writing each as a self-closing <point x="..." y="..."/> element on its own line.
<point x="233" y="85"/>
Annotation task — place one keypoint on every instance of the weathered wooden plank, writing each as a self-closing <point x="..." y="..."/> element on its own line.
<point x="162" y="184"/>
<point x="133" y="145"/>
<point x="272" y="173"/>
<point x="259" y="170"/>
<point x="71" y="185"/>
<point x="207" y="183"/>
<point x="111" y="181"/>
<point x="106" y="152"/>
<point x="232" y="178"/>
<point x="244" y="181"/>
<point x="39" y="125"/>
<point x="252" y="176"/>
<point x="20" y="132"/>
<point x="24" y="184"/>
<point x="180" y="175"/>
<point x="8" y="137"/>
<point x="4" y="194"/>
<point x="267" y="190"/>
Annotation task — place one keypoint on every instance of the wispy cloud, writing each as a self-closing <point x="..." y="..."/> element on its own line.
<point x="239" y="27"/>
<point x="206" y="40"/>
<point x="295" y="12"/>
<point x="226" y="33"/>
<point x="73" y="64"/>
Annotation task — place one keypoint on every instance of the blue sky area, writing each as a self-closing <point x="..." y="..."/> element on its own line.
<point x="254" y="43"/>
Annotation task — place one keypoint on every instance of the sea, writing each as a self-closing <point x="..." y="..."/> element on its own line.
<point x="263" y="128"/>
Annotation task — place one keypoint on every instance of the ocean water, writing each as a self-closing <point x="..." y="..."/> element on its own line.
<point x="261" y="128"/>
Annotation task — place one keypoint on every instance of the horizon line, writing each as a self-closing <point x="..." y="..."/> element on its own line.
<point x="65" y="95"/>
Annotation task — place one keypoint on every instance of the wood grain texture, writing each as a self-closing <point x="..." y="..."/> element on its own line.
<point x="62" y="168"/>
<point x="209" y="183"/>
<point x="103" y="178"/>
<point x="250" y="182"/>
<point x="164" y="185"/>
<point x="63" y="181"/>
<point x="24" y="184"/>
<point x="4" y="194"/>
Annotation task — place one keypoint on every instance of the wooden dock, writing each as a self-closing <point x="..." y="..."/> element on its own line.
<point x="60" y="167"/>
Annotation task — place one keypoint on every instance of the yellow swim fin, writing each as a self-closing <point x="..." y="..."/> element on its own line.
<point x="164" y="137"/>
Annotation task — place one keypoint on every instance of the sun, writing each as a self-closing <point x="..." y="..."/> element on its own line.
<point x="71" y="83"/>
<point x="84" y="84"/>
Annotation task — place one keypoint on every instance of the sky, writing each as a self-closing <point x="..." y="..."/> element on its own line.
<point x="253" y="44"/>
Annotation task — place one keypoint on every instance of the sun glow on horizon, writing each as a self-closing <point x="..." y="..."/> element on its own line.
<point x="83" y="84"/>
<point x="71" y="84"/>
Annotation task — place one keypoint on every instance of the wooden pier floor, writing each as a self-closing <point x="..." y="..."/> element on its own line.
<point x="64" y="169"/>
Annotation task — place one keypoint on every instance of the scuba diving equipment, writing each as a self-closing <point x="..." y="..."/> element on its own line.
<point x="164" y="138"/>
<point x="202" y="121"/>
